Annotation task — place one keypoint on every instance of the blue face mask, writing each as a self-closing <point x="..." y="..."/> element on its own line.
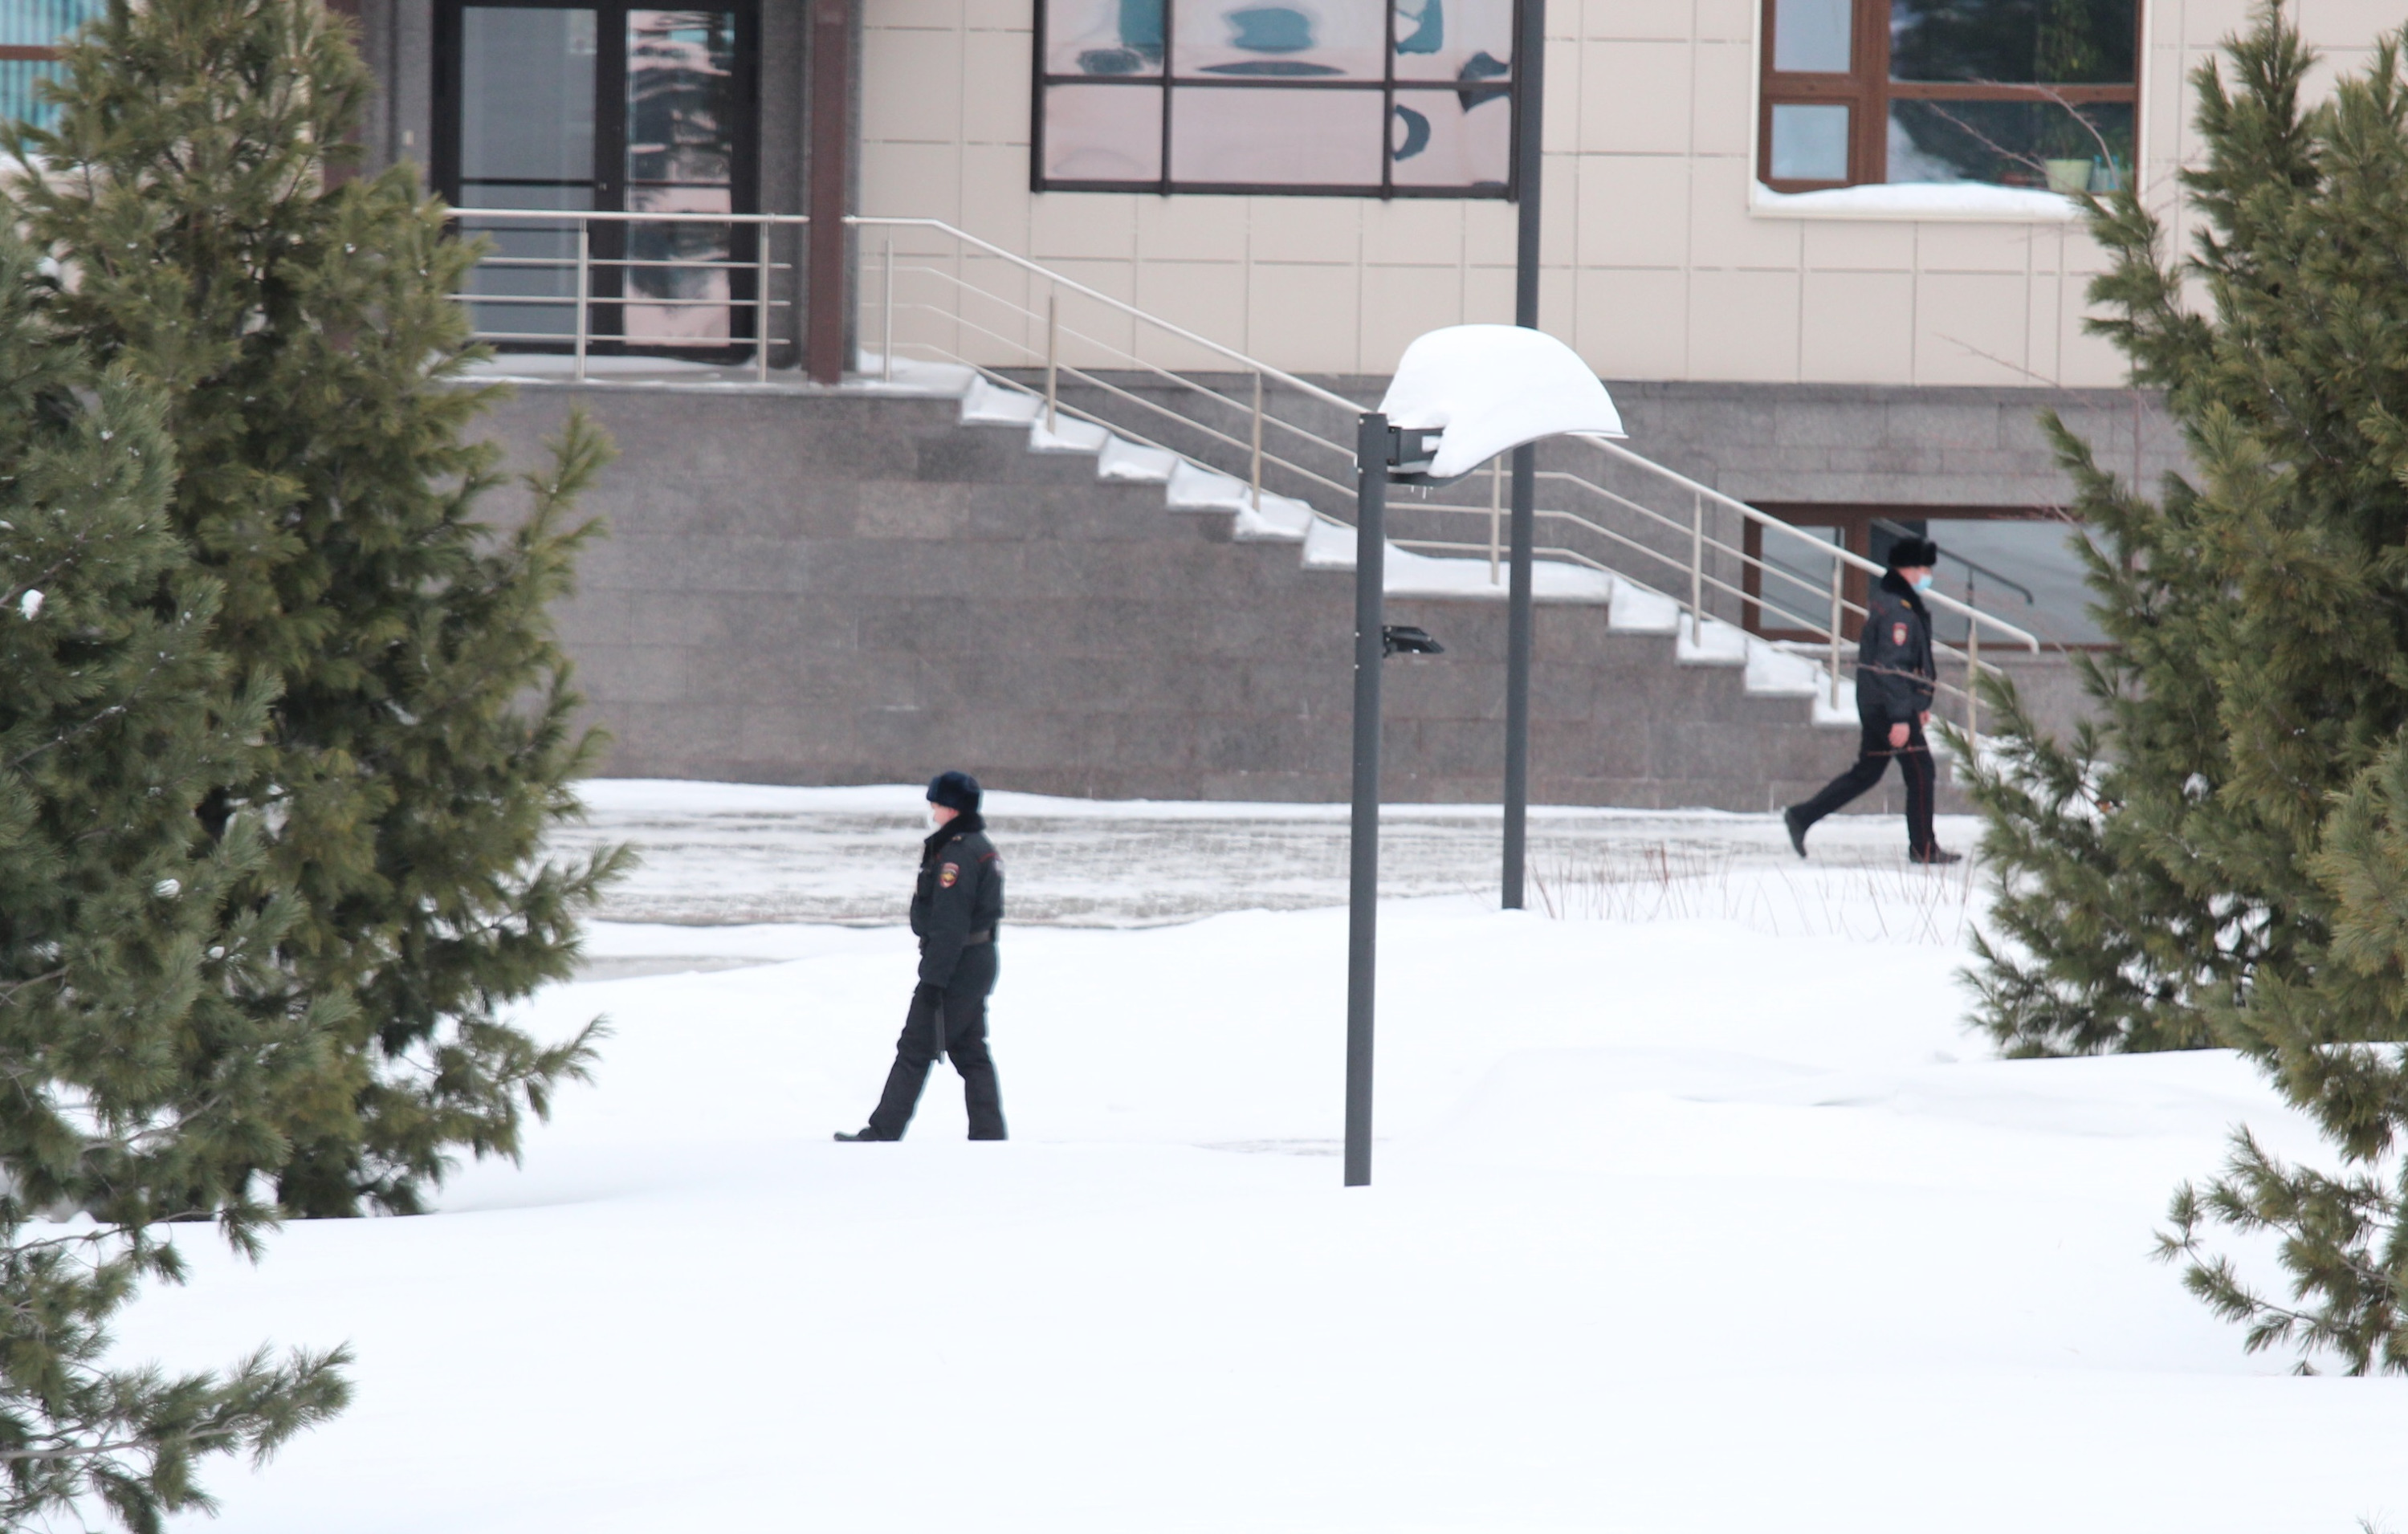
<point x="1924" y="583"/>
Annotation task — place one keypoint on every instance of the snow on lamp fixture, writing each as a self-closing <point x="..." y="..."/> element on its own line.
<point x="1484" y="390"/>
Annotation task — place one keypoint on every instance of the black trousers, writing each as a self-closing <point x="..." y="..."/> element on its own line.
<point x="1873" y="756"/>
<point x="961" y="1007"/>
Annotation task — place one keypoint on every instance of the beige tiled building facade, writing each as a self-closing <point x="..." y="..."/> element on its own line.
<point x="1665" y="258"/>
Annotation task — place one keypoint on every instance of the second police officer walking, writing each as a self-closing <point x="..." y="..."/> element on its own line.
<point x="957" y="907"/>
<point x="1896" y="676"/>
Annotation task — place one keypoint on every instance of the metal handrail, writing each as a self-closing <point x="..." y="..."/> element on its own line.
<point x="1142" y="365"/>
<point x="1261" y="455"/>
<point x="584" y="215"/>
<point x="1057" y="279"/>
<point x="1847" y="556"/>
<point x="1207" y="436"/>
<point x="582" y="300"/>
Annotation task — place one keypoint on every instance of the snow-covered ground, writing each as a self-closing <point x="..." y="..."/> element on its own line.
<point x="726" y="854"/>
<point x="1695" y="1209"/>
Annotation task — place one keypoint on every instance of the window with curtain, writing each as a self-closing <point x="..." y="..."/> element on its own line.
<point x="1361" y="97"/>
<point x="2035" y="94"/>
<point x="30" y="32"/>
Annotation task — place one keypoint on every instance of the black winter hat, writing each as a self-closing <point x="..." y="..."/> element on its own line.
<point x="1914" y="553"/>
<point x="954" y="790"/>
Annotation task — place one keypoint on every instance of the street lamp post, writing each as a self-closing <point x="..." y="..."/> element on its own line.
<point x="1371" y="455"/>
<point x="1530" y="64"/>
<point x="1476" y="390"/>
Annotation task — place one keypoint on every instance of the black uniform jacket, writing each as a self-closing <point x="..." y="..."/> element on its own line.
<point x="959" y="896"/>
<point x="1894" y="666"/>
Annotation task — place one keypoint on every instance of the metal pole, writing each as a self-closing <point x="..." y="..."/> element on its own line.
<point x="1529" y="65"/>
<point x="1838" y="571"/>
<point x="761" y="305"/>
<point x="1053" y="338"/>
<point x="887" y="335"/>
<point x="1258" y="444"/>
<point x="584" y="275"/>
<point x="1363" y="872"/>
<point x="1696" y="573"/>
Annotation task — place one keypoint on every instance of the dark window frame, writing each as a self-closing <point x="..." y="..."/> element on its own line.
<point x="1168" y="84"/>
<point x="1854" y="521"/>
<point x="610" y="181"/>
<point x="1868" y="89"/>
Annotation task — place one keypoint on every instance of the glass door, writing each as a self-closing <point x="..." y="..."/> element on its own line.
<point x="680" y="155"/>
<point x="605" y="108"/>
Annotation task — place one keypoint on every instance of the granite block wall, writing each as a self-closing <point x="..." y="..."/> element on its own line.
<point x="815" y="588"/>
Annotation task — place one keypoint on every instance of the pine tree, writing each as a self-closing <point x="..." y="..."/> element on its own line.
<point x="302" y="327"/>
<point x="146" y="1032"/>
<point x="2220" y="859"/>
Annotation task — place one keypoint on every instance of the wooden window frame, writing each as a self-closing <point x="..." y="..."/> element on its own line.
<point x="1867" y="90"/>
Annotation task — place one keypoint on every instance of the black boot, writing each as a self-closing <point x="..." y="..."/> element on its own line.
<point x="1935" y="857"/>
<point x="1790" y="818"/>
<point x="863" y="1136"/>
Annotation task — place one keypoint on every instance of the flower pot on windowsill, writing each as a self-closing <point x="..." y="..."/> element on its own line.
<point x="2069" y="178"/>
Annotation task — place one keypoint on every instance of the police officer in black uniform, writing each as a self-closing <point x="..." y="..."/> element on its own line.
<point x="955" y="910"/>
<point x="1894" y="679"/>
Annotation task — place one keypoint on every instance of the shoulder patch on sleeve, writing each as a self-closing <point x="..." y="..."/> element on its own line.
<point x="947" y="875"/>
<point x="1897" y="634"/>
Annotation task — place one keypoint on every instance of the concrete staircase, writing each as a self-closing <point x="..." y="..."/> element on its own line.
<point x="1327" y="544"/>
<point x="817" y="586"/>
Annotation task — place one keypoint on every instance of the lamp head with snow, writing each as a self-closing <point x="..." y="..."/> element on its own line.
<point x="1467" y="392"/>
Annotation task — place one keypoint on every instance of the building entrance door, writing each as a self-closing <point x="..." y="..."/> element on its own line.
<point x="604" y="108"/>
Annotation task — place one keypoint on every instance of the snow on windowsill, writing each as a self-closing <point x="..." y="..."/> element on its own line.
<point x="1970" y="201"/>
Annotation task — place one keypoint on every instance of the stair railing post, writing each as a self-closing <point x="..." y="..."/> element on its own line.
<point x="1972" y="673"/>
<point x="761" y="302"/>
<point x="1257" y="480"/>
<point x="886" y="324"/>
<point x="1053" y="342"/>
<point x="1838" y="571"/>
<point x="584" y="275"/>
<point x="1696" y="573"/>
<point x="1495" y="513"/>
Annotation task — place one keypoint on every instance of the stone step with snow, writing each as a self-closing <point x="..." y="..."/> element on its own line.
<point x="1067" y="436"/>
<point x="1634" y="609"/>
<point x="1712" y="642"/>
<point x="1278" y="517"/>
<point x="1129" y="461"/>
<point x="1781" y="672"/>
<point x="912" y="377"/>
<point x="1328" y="545"/>
<point x="985" y="405"/>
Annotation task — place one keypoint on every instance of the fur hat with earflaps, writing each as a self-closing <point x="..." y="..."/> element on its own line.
<point x="954" y="790"/>
<point x="1914" y="553"/>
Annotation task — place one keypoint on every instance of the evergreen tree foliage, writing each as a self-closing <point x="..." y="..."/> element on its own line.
<point x="300" y="321"/>
<point x="147" y="1031"/>
<point x="2222" y="858"/>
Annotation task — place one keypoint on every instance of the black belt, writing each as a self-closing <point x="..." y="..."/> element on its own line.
<point x="977" y="938"/>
